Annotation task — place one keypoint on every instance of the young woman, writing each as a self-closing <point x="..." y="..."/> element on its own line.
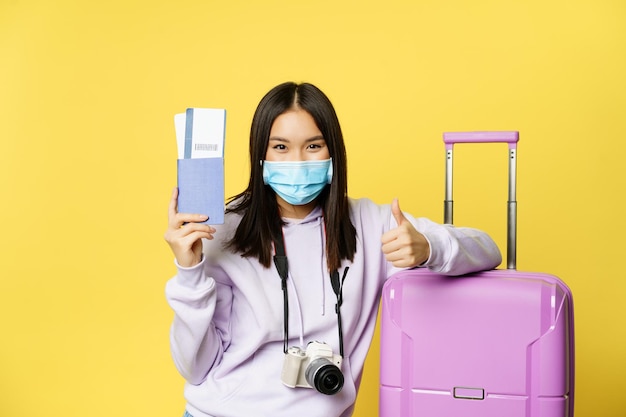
<point x="276" y="308"/>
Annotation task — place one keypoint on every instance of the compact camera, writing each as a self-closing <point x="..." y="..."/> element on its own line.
<point x="317" y="367"/>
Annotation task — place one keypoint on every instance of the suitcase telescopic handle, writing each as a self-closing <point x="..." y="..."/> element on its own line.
<point x="509" y="137"/>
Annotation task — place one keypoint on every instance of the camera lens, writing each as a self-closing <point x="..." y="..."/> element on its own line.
<point x="325" y="376"/>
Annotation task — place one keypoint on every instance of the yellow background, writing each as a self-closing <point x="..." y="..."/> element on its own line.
<point x="88" y="91"/>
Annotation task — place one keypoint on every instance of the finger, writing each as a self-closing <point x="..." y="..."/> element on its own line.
<point x="191" y="227"/>
<point x="391" y="246"/>
<point x="188" y="218"/>
<point x="189" y="233"/>
<point x="190" y="238"/>
<point x="395" y="257"/>
<point x="176" y="219"/>
<point x="397" y="213"/>
<point x="400" y="257"/>
<point x="392" y="235"/>
<point x="173" y="207"/>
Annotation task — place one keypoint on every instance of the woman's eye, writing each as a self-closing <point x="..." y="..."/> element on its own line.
<point x="279" y="147"/>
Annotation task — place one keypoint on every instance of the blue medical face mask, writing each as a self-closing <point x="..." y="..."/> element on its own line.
<point x="298" y="182"/>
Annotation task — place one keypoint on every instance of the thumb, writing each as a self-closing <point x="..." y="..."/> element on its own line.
<point x="397" y="213"/>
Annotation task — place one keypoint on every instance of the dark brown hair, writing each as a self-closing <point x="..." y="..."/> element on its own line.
<point x="261" y="222"/>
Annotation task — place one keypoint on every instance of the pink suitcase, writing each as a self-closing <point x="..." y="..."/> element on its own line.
<point x="493" y="344"/>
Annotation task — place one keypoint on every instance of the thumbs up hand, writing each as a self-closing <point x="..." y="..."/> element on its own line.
<point x="404" y="246"/>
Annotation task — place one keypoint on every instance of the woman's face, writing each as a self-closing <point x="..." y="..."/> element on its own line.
<point x="295" y="137"/>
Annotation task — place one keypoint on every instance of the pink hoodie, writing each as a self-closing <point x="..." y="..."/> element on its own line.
<point x="227" y="334"/>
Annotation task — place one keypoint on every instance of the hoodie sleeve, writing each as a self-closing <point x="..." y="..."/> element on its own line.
<point x="453" y="250"/>
<point x="196" y="341"/>
<point x="458" y="250"/>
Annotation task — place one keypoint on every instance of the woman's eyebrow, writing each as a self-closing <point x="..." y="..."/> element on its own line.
<point x="279" y="139"/>
<point x="311" y="139"/>
<point x="315" y="138"/>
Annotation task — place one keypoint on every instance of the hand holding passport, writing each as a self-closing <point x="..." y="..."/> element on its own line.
<point x="200" y="136"/>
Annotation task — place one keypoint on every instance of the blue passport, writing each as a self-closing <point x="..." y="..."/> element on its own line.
<point x="201" y="188"/>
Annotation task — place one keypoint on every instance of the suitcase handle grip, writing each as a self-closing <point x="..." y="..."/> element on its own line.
<point x="450" y="138"/>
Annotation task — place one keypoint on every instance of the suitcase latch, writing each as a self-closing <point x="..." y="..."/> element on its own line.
<point x="466" y="393"/>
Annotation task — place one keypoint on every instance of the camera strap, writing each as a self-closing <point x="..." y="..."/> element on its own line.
<point x="282" y="266"/>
